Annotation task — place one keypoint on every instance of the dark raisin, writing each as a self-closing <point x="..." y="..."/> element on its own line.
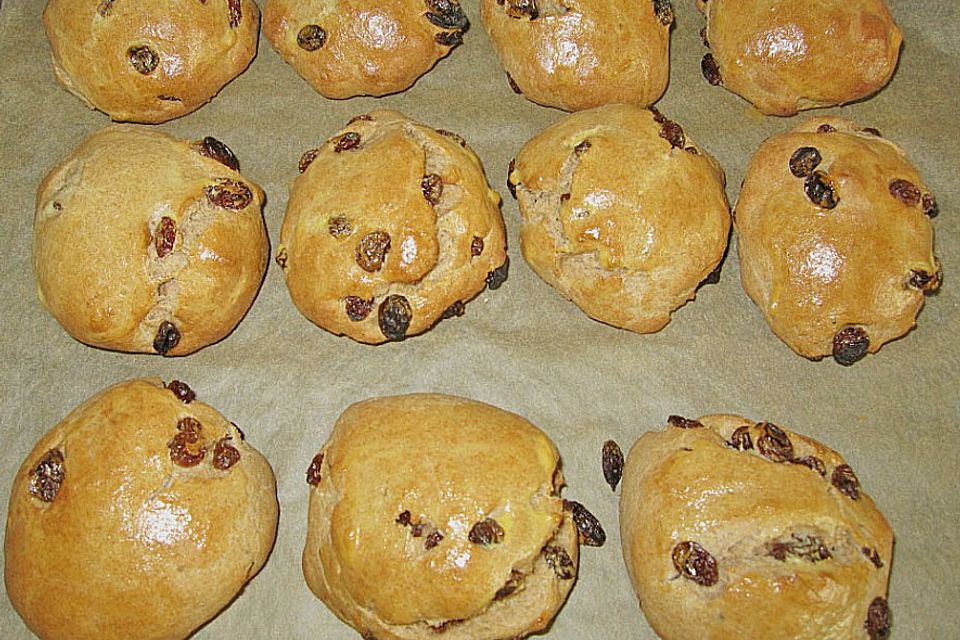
<point x="664" y="11"/>
<point x="522" y="8"/>
<point x="930" y="208"/>
<point x="311" y="37"/>
<point x="455" y="310"/>
<point x="820" y="189"/>
<point x="872" y="131"/>
<point x="658" y="117"/>
<point x="394" y="316"/>
<point x="905" y="191"/>
<point x="582" y="148"/>
<point x="212" y="148"/>
<point x="338" y="226"/>
<point x="590" y="530"/>
<point x="513" y="85"/>
<point x="476" y="246"/>
<point x="346" y="142"/>
<point x="695" y="563"/>
<point x="357" y="308"/>
<point x="872" y="556"/>
<point x="372" y="250"/>
<point x="849" y="345"/>
<point x="710" y="69"/>
<point x="143" y="59"/>
<point x="923" y="280"/>
<point x="416" y="529"/>
<point x="182" y="390"/>
<point x="165" y="237"/>
<point x="307" y="159"/>
<point x="846" y="482"/>
<point x="432" y="188"/>
<point x="511" y="187"/>
<point x="714" y="276"/>
<point x="564" y="197"/>
<point x="229" y="194"/>
<point x="449" y="38"/>
<point x="809" y="548"/>
<point x="57" y="206"/>
<point x="166" y="339"/>
<point x="432" y="540"/>
<point x="236" y="13"/>
<point x="47" y="477"/>
<point x="313" y="471"/>
<point x="826" y="128"/>
<point x="104" y="8"/>
<point x="486" y="532"/>
<point x="446" y="14"/>
<point x="225" y="455"/>
<point x="403" y="518"/>
<point x="812" y="462"/>
<point x="672" y="133"/>
<point x="877" y="623"/>
<point x="559" y="560"/>
<point x="498" y="276"/>
<point x="703" y="37"/>
<point x="740" y="439"/>
<point x="774" y="444"/>
<point x="684" y="423"/>
<point x="611" y="460"/>
<point x="803" y="161"/>
<point x="514" y="582"/>
<point x="281" y="258"/>
<point x="183" y="449"/>
<point x="453" y="136"/>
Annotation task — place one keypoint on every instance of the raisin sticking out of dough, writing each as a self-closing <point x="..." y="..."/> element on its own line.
<point x="236" y="13"/>
<point x="212" y="148"/>
<point x="664" y="11"/>
<point x="394" y="315"/>
<point x="522" y="8"/>
<point x="372" y="250"/>
<point x="47" y="477"/>
<point x="455" y="310"/>
<point x="498" y="276"/>
<point x="167" y="338"/>
<point x="611" y="460"/>
<point x="347" y="142"/>
<point x="403" y="518"/>
<point x="590" y="530"/>
<point x="514" y="582"/>
<point x="229" y="194"/>
<point x="559" y="560"/>
<point x="311" y="37"/>
<point x="486" y="532"/>
<point x="672" y="133"/>
<point x="225" y="455"/>
<point x="104" y="8"/>
<point x="930" y="208"/>
<point x="773" y="444"/>
<point x="846" y="481"/>
<point x="703" y="37"/>
<point x="923" y="280"/>
<point x="432" y="188"/>
<point x="740" y="439"/>
<point x="357" y="308"/>
<point x="433" y="539"/>
<point x="339" y="227"/>
<point x="512" y="188"/>
<point x="165" y="237"/>
<point x="182" y="391"/>
<point x="476" y="246"/>
<point x="281" y="258"/>
<point x="826" y="128"/>
<point x="143" y="59"/>
<point x="307" y="159"/>
<point x="684" y="423"/>
<point x="872" y="131"/>
<point x="513" y="85"/>
<point x="873" y="556"/>
<point x="813" y="463"/>
<point x="905" y="191"/>
<point x="313" y="471"/>
<point x="184" y="451"/>
<point x="710" y="69"/>
<point x="695" y="563"/>
<point x="446" y="14"/>
<point x="453" y="136"/>
<point x="803" y="161"/>
<point x="849" y="345"/>
<point x="449" y="38"/>
<point x="582" y="148"/>
<point x="877" y="623"/>
<point x="820" y="190"/>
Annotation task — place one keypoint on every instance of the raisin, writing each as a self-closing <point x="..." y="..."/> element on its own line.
<point x="695" y="563"/>
<point x="513" y="85"/>
<point x="403" y="518"/>
<point x="809" y="548"/>
<point x="229" y="194"/>
<point x="338" y="226"/>
<point x="877" y="623"/>
<point x="394" y="315"/>
<point x="143" y="59"/>
<point x="611" y="460"/>
<point x="826" y="128"/>
<point x="47" y="477"/>
<point x="740" y="439"/>
<point x="182" y="390"/>
<point x="714" y="276"/>
<point x="212" y="148"/>
<point x="498" y="276"/>
<point x="165" y="237"/>
<point x="873" y="557"/>
<point x="432" y="188"/>
<point x="930" y="208"/>
<point x="703" y="37"/>
<point x="372" y="250"/>
<point x="313" y="471"/>
<point x="522" y="8"/>
<point x="692" y="151"/>
<point x="559" y="560"/>
<point x="432" y="540"/>
<point x="449" y="38"/>
<point x="188" y="434"/>
<point x="512" y="188"/>
<point x="453" y="136"/>
<point x="683" y="423"/>
<point x="590" y="530"/>
<point x="774" y="444"/>
<point x="710" y="69"/>
<point x="104" y="8"/>
<point x="281" y="258"/>
<point x="225" y="455"/>
<point x="236" y="13"/>
<point x="307" y="159"/>
<point x="416" y="529"/>
<point x="357" y="308"/>
<point x="446" y="14"/>
<point x="582" y="148"/>
<point x="167" y="338"/>
<point x="820" y="189"/>
<point x="672" y="133"/>
<point x="812" y="462"/>
<point x="803" y="161"/>
<point x="311" y="37"/>
<point x="872" y="131"/>
<point x="846" y="482"/>
<point x="849" y="345"/>
<point x="476" y="246"/>
<point x="923" y="280"/>
<point x="514" y="582"/>
<point x="486" y="532"/>
<point x="455" y="310"/>
<point x="664" y="11"/>
<point x="348" y="141"/>
<point x="905" y="191"/>
<point x="657" y="116"/>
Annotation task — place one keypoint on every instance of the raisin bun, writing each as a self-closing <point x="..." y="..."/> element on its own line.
<point x="390" y="228"/>
<point x="737" y="529"/>
<point x="578" y="54"/>
<point x="785" y="56"/>
<point x="141" y="515"/>
<point x="363" y="48"/>
<point x="150" y="61"/>
<point x="835" y="239"/>
<point x="160" y="252"/>
<point x="434" y="514"/>
<point x="622" y="213"/>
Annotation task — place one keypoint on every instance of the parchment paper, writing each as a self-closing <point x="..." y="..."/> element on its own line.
<point x="523" y="348"/>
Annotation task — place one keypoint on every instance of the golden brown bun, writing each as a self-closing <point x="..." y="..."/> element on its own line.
<point x="390" y="228"/>
<point x="393" y="546"/>
<point x="785" y="56"/>
<point x="842" y="280"/>
<point x="150" y="61"/>
<point x="782" y="551"/>
<point x="621" y="213"/>
<point x="363" y="48"/>
<point x="108" y="538"/>
<point x="578" y="54"/>
<point x="107" y="213"/>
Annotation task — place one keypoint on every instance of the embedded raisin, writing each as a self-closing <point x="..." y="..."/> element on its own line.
<point x="167" y="338"/>
<point x="498" y="276"/>
<point x="846" y="481"/>
<point x="48" y="476"/>
<point x="313" y="471"/>
<point x="664" y="11"/>
<point x="820" y="189"/>
<point x="582" y="148"/>
<point x="809" y="548"/>
<point x="372" y="250"/>
<point x="877" y="623"/>
<point x="811" y="462"/>
<point x="522" y="8"/>
<point x="611" y="460"/>
<point x="311" y="37"/>
<point x="432" y="188"/>
<point x="394" y="315"/>
<point x="165" y="237"/>
<point x="143" y="59"/>
<point x="104" y="8"/>
<point x="826" y="128"/>
<point x="514" y="582"/>
<point x="486" y="532"/>
<point x="183" y="451"/>
<point x="803" y="161"/>
<point x="849" y="345"/>
<point x="513" y="85"/>
<point x="212" y="148"/>
<point x="512" y="188"/>
<point x="923" y="280"/>
<point x="307" y="159"/>
<point x="446" y="14"/>
<point x="357" y="308"/>
<point x="229" y="194"/>
<point x="182" y="390"/>
<point x="589" y="528"/>
<point x="455" y="310"/>
<point x="710" y="69"/>
<point x="559" y="560"/>
<point x="449" y="38"/>
<point x="348" y="141"/>
<point x="403" y="518"/>
<point x="774" y="444"/>
<point x="684" y="423"/>
<point x="905" y="191"/>
<point x="453" y="136"/>
<point x="338" y="226"/>
<point x="930" y="208"/>
<point x="432" y="540"/>
<point x="235" y="13"/>
<point x="672" y="133"/>
<point x="476" y="246"/>
<point x="873" y="557"/>
<point x="225" y="455"/>
<point x="695" y="563"/>
<point x="740" y="439"/>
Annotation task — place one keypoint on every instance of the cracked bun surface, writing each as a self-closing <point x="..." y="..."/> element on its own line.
<point x="737" y="529"/>
<point x="140" y="515"/>
<point x="362" y="48"/>
<point x="578" y="54"/>
<point x="390" y="228"/>
<point x="622" y="214"/>
<point x="835" y="239"/>
<point x="460" y="532"/>
<point x="150" y="61"/>
<point x="144" y="243"/>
